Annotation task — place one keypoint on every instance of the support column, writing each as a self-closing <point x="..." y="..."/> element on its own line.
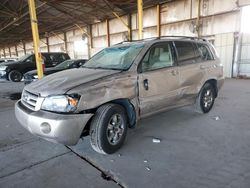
<point x="158" y="21"/>
<point x="107" y="36"/>
<point x="47" y="43"/>
<point x="198" y="18"/>
<point x="4" y="53"/>
<point x="35" y="34"/>
<point x="129" y="28"/>
<point x="24" y="48"/>
<point x="140" y="18"/>
<point x="16" y="50"/>
<point x="90" y="36"/>
<point x="9" y="52"/>
<point x="237" y="54"/>
<point x="90" y="44"/>
<point x="65" y="42"/>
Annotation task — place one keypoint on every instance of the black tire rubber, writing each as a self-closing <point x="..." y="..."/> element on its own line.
<point x="15" y="76"/>
<point x="99" y="125"/>
<point x="199" y="106"/>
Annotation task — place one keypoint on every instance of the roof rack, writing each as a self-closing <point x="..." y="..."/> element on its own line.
<point x="146" y="39"/>
<point x="164" y="37"/>
<point x="183" y="37"/>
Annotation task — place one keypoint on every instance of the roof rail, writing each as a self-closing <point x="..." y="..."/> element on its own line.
<point x="183" y="37"/>
<point x="146" y="39"/>
<point x="165" y="37"/>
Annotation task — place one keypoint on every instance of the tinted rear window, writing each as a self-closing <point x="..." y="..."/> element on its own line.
<point x="185" y="50"/>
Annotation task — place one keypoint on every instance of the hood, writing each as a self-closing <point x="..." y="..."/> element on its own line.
<point x="9" y="63"/>
<point x="61" y="82"/>
<point x="47" y="71"/>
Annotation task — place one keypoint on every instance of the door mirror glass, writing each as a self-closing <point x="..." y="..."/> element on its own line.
<point x="28" y="60"/>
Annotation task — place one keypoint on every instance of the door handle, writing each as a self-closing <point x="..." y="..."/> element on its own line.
<point x="174" y="72"/>
<point x="145" y="84"/>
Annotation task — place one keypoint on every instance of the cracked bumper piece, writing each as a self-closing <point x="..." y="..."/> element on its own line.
<point x="3" y="74"/>
<point x="59" y="128"/>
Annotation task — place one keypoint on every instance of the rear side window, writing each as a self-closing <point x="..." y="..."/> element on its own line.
<point x="185" y="51"/>
<point x="61" y="58"/>
<point x="46" y="58"/>
<point x="52" y="57"/>
<point x="204" y="52"/>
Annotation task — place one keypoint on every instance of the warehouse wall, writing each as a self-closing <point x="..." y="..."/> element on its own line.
<point x="218" y="18"/>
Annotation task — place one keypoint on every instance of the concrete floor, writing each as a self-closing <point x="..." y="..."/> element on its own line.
<point x="211" y="150"/>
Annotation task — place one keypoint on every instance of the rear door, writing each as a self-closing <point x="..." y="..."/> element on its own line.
<point x="158" y="79"/>
<point x="192" y="72"/>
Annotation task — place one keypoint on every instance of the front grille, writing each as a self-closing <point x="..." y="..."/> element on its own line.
<point x="29" y="100"/>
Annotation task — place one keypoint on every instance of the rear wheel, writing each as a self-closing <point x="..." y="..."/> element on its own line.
<point x="108" y="128"/>
<point x="205" y="100"/>
<point x="15" y="76"/>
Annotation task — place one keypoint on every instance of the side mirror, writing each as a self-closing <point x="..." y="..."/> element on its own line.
<point x="27" y="60"/>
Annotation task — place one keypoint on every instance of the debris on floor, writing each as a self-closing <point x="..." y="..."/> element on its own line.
<point x="145" y="161"/>
<point x="156" y="140"/>
<point x="216" y="118"/>
<point x="119" y="155"/>
<point x="148" y="169"/>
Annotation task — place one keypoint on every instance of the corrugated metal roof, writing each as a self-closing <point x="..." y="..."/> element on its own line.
<point x="58" y="15"/>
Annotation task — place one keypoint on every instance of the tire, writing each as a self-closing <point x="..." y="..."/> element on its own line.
<point x="108" y="128"/>
<point x="15" y="76"/>
<point x="206" y="98"/>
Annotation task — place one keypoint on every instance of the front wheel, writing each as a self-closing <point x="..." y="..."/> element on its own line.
<point x="15" y="76"/>
<point x="108" y="128"/>
<point x="205" y="100"/>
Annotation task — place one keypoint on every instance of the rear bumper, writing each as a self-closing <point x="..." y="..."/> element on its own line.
<point x="60" y="128"/>
<point x="220" y="83"/>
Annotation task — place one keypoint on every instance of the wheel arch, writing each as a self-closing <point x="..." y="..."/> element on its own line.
<point x="125" y="103"/>
<point x="213" y="82"/>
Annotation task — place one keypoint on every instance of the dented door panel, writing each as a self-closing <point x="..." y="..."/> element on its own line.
<point x="163" y="89"/>
<point x="192" y="76"/>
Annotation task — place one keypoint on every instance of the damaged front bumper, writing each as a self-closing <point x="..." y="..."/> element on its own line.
<point x="59" y="128"/>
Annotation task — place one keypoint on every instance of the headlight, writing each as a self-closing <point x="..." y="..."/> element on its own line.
<point x="61" y="103"/>
<point x="3" y="67"/>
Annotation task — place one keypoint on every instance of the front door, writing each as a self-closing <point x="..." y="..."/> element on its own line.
<point x="159" y="80"/>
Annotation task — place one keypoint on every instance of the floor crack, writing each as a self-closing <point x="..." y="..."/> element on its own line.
<point x="104" y="174"/>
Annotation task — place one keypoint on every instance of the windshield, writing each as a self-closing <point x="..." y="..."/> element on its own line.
<point x="24" y="57"/>
<point x="118" y="58"/>
<point x="65" y="64"/>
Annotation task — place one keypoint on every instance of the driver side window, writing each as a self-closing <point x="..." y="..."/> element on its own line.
<point x="30" y="59"/>
<point x="157" y="57"/>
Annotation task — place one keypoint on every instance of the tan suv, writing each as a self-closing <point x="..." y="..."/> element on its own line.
<point x="119" y="86"/>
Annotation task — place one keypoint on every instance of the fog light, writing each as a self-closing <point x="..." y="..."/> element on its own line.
<point x="45" y="128"/>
